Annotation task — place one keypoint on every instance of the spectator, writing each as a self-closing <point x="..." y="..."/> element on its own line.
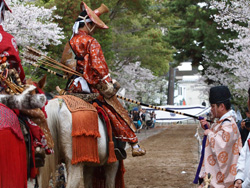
<point x="137" y="119"/>
<point x="148" y="119"/>
<point x="244" y="126"/>
<point x="223" y="142"/>
<point x="242" y="179"/>
<point x="130" y="114"/>
<point x="142" y="115"/>
<point x="153" y="115"/>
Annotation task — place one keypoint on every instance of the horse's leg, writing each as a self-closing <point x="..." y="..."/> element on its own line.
<point x="110" y="174"/>
<point x="46" y="171"/>
<point x="88" y="176"/>
<point x="74" y="175"/>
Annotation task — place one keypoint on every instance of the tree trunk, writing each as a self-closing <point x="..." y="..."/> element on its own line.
<point x="171" y="86"/>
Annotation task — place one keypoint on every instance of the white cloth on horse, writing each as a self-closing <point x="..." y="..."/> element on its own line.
<point x="84" y="84"/>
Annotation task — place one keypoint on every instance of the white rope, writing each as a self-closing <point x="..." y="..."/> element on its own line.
<point x="106" y="76"/>
<point x="2" y="11"/>
<point x="77" y="23"/>
<point x="199" y="139"/>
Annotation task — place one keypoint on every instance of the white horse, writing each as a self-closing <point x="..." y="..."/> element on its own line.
<point x="60" y="124"/>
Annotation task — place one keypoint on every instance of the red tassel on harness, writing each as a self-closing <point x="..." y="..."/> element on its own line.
<point x="248" y="141"/>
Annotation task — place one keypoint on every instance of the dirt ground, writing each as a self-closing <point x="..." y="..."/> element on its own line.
<point x="171" y="160"/>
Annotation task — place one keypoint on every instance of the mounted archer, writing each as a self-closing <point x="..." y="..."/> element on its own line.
<point x="90" y="62"/>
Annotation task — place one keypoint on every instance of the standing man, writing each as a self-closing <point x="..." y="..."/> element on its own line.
<point x="153" y="119"/>
<point x="242" y="179"/>
<point x="96" y="78"/>
<point x="223" y="142"/>
<point x="244" y="126"/>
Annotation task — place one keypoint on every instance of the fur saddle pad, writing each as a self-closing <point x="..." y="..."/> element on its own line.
<point x="84" y="129"/>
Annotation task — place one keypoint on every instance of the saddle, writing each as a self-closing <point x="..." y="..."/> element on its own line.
<point x="85" y="130"/>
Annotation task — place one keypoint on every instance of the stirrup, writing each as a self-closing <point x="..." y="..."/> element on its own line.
<point x="120" y="154"/>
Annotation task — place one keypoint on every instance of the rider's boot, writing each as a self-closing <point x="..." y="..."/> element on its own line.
<point x="137" y="150"/>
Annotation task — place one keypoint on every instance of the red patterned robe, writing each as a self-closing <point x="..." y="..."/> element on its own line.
<point x="95" y="68"/>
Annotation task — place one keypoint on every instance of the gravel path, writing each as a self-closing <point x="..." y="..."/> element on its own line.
<point x="171" y="160"/>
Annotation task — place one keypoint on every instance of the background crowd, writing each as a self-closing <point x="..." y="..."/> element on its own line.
<point x="143" y="118"/>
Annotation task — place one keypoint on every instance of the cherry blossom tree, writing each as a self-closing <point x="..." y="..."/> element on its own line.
<point x="32" y="25"/>
<point x="234" y="72"/>
<point x="141" y="84"/>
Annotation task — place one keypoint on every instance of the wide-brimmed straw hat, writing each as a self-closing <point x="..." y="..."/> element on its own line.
<point x="94" y="15"/>
<point x="6" y="6"/>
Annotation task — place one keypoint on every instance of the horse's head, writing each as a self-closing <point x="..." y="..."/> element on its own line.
<point x="36" y="89"/>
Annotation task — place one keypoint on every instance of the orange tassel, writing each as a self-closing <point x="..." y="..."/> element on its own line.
<point x="119" y="180"/>
<point x="84" y="149"/>
<point x="112" y="157"/>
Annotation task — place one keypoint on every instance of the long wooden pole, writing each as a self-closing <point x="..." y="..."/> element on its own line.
<point x="127" y="99"/>
<point x="160" y="108"/>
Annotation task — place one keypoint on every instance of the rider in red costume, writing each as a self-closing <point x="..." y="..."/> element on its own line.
<point x="91" y="63"/>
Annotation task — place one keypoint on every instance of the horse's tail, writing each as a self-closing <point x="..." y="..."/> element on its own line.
<point x="52" y="160"/>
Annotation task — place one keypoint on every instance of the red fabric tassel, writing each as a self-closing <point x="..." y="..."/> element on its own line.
<point x="248" y="141"/>
<point x="33" y="170"/>
<point x="99" y="177"/>
<point x="112" y="158"/>
<point x="119" y="180"/>
<point x="13" y="162"/>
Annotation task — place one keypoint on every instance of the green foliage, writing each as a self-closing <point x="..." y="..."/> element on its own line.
<point x="195" y="33"/>
<point x="137" y="32"/>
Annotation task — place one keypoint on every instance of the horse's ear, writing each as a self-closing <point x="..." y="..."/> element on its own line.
<point x="42" y="82"/>
<point x="82" y="8"/>
<point x="29" y="81"/>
